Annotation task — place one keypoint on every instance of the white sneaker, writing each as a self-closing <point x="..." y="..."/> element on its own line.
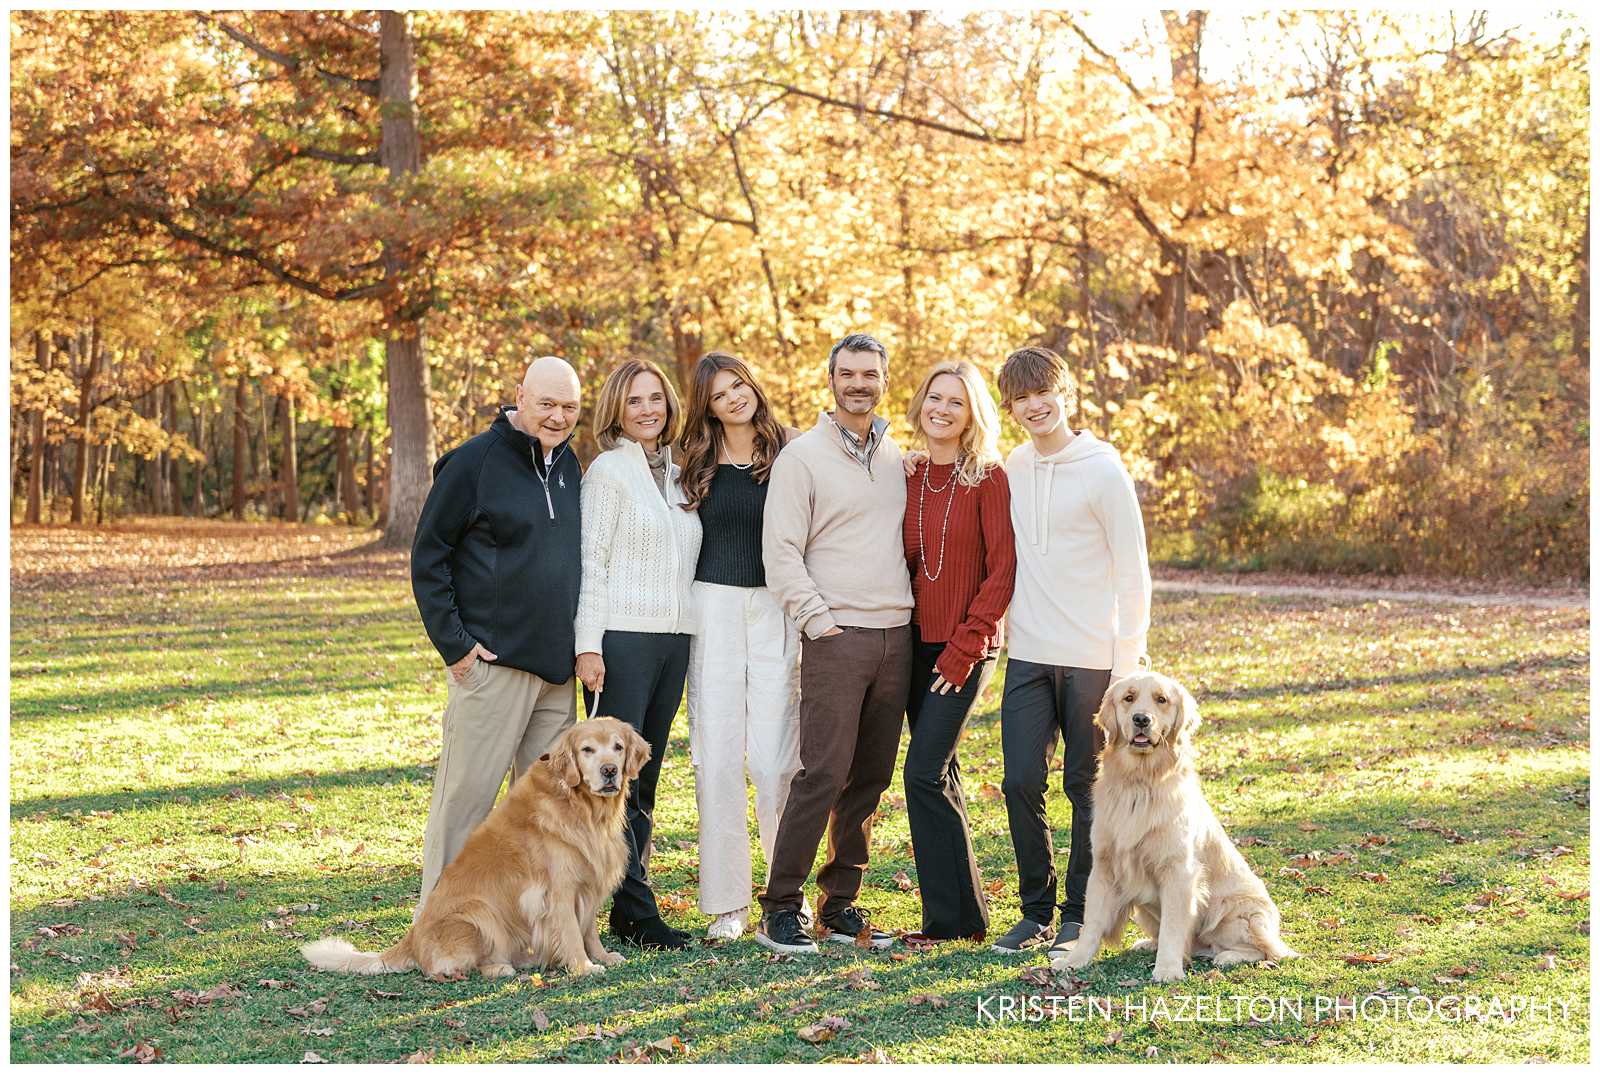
<point x="729" y="926"/>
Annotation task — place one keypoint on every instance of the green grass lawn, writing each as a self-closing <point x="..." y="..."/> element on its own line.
<point x="222" y="744"/>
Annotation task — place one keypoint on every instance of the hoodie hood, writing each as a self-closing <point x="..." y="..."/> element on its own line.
<point x="1041" y="479"/>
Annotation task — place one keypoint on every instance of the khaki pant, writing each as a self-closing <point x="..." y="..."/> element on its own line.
<point x="498" y="718"/>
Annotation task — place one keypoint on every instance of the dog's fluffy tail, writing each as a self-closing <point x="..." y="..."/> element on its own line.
<point x="1265" y="935"/>
<point x="340" y="956"/>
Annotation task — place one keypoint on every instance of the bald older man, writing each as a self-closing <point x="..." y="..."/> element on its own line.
<point x="495" y="570"/>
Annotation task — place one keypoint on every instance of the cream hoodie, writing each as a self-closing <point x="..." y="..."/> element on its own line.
<point x="1083" y="577"/>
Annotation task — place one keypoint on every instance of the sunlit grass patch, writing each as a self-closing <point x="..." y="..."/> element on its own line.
<point x="206" y="771"/>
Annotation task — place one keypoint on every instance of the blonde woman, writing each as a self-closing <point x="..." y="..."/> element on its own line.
<point x="962" y="555"/>
<point x="635" y="610"/>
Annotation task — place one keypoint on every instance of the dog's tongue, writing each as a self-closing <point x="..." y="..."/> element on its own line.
<point x="1141" y="739"/>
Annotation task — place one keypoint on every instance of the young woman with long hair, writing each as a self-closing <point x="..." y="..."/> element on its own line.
<point x="744" y="681"/>
<point x="635" y="609"/>
<point x="962" y="555"/>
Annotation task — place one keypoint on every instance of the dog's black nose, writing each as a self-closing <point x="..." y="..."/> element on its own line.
<point x="609" y="771"/>
<point x="1141" y="720"/>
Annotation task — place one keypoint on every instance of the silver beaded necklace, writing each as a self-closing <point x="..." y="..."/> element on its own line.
<point x="944" y="528"/>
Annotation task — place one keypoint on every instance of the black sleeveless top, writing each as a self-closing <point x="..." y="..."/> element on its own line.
<point x="730" y="517"/>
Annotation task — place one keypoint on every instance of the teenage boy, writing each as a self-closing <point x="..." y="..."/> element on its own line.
<point x="834" y="557"/>
<point x="1078" y="620"/>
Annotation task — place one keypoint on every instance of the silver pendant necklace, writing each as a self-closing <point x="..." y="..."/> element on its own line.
<point x="944" y="529"/>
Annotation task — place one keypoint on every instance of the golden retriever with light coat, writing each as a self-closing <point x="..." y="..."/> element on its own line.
<point x="1160" y="854"/>
<point x="526" y="886"/>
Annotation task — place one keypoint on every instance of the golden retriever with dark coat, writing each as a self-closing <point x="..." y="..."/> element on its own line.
<point x="526" y="886"/>
<point x="1160" y="854"/>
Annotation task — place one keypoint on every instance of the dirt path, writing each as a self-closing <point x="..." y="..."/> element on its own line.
<point x="1567" y="600"/>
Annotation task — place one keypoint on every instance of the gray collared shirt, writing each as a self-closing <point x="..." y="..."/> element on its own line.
<point x="860" y="450"/>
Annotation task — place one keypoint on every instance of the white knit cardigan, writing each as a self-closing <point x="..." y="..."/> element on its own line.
<point x="639" y="551"/>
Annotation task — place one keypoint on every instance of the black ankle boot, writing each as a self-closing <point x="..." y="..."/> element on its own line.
<point x="651" y="934"/>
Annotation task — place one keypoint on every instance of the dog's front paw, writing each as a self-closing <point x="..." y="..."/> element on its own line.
<point x="586" y="969"/>
<point x="611" y="958"/>
<point x="1076" y="959"/>
<point x="1167" y="972"/>
<point x="1146" y="944"/>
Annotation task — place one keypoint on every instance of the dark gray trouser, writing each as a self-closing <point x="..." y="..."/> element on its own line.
<point x="941" y="837"/>
<point x="1041" y="702"/>
<point x="644" y="684"/>
<point x="852" y="699"/>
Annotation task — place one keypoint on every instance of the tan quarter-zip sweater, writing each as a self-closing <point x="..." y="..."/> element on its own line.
<point x="831" y="541"/>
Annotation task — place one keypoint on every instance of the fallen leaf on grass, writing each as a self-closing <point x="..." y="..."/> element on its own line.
<point x="931" y="1001"/>
<point x="903" y="881"/>
<point x="1374" y="878"/>
<point x="1547" y="961"/>
<point x="1038" y="975"/>
<point x="1317" y="889"/>
<point x="861" y="981"/>
<point x="823" y="1031"/>
<point x="541" y="1021"/>
<point x="317" y="1031"/>
<point x="422" y="1055"/>
<point x="315" y="1007"/>
<point x="1362" y="958"/>
<point x="990" y="792"/>
<point x="312" y="1057"/>
<point x="1308" y="826"/>
<point x="140" y="1052"/>
<point x="1573" y="896"/>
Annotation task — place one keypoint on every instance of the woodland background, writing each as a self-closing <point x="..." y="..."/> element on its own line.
<point x="1329" y="298"/>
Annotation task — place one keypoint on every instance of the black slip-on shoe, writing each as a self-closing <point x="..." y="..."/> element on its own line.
<point x="1025" y="935"/>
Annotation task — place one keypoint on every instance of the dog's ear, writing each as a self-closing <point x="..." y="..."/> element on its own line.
<point x="564" y="759"/>
<point x="638" y="753"/>
<point x="1188" y="713"/>
<point x="1107" y="716"/>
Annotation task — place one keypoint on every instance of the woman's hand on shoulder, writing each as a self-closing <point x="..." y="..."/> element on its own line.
<point x="911" y="460"/>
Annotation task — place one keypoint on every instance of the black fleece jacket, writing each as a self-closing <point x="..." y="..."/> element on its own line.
<point x="496" y="556"/>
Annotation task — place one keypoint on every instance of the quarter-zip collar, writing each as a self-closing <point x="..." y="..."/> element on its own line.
<point x="507" y="430"/>
<point x="853" y="446"/>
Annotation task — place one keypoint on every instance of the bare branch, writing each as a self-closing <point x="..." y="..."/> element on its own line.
<point x="368" y="86"/>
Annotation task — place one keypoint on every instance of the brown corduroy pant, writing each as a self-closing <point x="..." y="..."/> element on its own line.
<point x="852" y="703"/>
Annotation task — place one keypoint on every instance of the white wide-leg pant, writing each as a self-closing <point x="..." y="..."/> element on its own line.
<point x="744" y="705"/>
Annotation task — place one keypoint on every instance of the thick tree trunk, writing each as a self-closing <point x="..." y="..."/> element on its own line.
<point x="289" y="467"/>
<point x="36" y="446"/>
<point x="241" y="444"/>
<point x="86" y="384"/>
<point x="411" y="438"/>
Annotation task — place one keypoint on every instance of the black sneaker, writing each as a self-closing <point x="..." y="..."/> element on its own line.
<point x="652" y="934"/>
<point x="847" y="925"/>
<point x="1024" y="935"/>
<point x="784" y="932"/>
<point x="1066" y="937"/>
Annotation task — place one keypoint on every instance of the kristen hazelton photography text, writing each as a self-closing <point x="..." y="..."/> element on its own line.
<point x="785" y="537"/>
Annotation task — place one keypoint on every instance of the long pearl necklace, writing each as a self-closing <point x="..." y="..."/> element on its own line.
<point x="944" y="529"/>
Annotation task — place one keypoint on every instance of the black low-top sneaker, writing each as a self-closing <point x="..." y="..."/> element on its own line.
<point x="784" y="932"/>
<point x="847" y="925"/>
<point x="1023" y="936"/>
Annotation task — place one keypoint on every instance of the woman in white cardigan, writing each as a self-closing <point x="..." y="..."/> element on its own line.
<point x="635" y="612"/>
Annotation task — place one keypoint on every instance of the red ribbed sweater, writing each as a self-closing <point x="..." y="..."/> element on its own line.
<point x="964" y="604"/>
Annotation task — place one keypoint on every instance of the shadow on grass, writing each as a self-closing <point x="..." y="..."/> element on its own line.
<point x="1433" y="675"/>
<point x="48" y="806"/>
